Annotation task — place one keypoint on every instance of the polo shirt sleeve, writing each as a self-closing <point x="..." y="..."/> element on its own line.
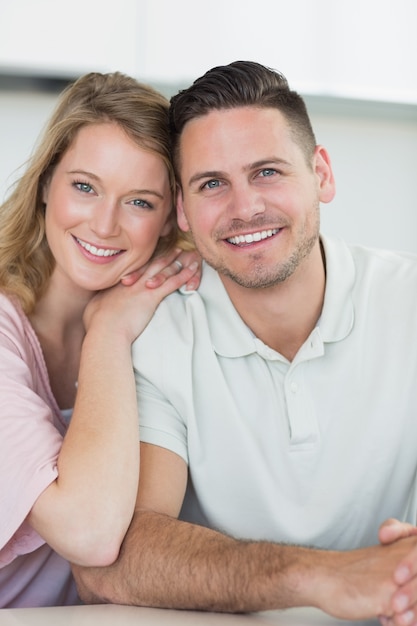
<point x="29" y="441"/>
<point x="159" y="422"/>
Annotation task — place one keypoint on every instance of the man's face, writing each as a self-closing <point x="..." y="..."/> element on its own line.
<point x="249" y="196"/>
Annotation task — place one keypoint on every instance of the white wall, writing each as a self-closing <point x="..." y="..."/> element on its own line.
<point x="375" y="165"/>
<point x="22" y="115"/>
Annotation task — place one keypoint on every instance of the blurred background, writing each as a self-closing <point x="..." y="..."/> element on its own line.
<point x="354" y="62"/>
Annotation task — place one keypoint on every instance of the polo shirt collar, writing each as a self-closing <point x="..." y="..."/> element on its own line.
<point x="232" y="338"/>
<point x="337" y="317"/>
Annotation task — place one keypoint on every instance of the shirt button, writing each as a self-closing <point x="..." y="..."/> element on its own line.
<point x="294" y="387"/>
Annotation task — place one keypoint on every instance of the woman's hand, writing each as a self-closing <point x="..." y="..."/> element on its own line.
<point x="171" y="264"/>
<point x="127" y="307"/>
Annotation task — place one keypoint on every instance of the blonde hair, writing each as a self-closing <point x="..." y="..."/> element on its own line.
<point x="26" y="262"/>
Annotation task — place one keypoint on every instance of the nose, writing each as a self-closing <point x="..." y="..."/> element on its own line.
<point x="105" y="219"/>
<point x="245" y="202"/>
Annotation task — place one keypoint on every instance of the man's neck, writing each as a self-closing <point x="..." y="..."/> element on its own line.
<point x="283" y="316"/>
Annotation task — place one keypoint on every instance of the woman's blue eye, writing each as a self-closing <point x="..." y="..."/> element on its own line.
<point x="84" y="187"/>
<point x="142" y="203"/>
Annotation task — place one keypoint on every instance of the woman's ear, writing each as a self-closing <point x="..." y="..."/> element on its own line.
<point x="323" y="169"/>
<point x="181" y="217"/>
<point x="45" y="189"/>
<point x="169" y="225"/>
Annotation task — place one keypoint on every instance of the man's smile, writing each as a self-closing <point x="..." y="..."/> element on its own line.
<point x="251" y="237"/>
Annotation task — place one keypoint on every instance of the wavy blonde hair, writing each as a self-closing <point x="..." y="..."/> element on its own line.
<point x="26" y="262"/>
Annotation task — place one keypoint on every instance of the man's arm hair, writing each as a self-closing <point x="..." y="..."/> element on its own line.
<point x="168" y="563"/>
<point x="165" y="562"/>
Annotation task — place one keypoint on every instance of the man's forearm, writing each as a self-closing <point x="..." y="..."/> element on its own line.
<point x="172" y="564"/>
<point x="168" y="563"/>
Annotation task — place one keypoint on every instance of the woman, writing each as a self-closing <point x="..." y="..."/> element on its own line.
<point x="93" y="213"/>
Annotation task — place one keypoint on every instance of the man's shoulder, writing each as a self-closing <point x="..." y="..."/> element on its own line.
<point x="395" y="270"/>
<point x="177" y="314"/>
<point x="183" y="308"/>
<point x="365" y="278"/>
<point x="373" y="258"/>
<point x="385" y="255"/>
<point x="171" y="317"/>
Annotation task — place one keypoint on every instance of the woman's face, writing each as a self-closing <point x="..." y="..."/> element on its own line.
<point x="107" y="203"/>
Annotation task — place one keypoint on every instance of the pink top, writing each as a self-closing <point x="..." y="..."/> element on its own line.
<point x="31" y="432"/>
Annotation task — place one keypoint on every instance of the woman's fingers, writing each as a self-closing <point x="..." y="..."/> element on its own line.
<point x="186" y="265"/>
<point x="182" y="275"/>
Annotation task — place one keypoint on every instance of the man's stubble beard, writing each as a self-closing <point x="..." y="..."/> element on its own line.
<point x="261" y="277"/>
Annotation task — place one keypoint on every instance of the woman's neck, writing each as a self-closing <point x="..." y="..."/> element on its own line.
<point x="58" y="323"/>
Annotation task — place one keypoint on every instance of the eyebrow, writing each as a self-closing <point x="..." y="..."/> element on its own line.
<point x="247" y="168"/>
<point x="139" y="192"/>
<point x="200" y="175"/>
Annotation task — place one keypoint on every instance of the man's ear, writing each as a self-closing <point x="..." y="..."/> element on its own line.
<point x="181" y="218"/>
<point x="324" y="172"/>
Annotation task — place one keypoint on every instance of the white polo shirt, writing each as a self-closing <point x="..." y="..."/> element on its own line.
<point x="317" y="451"/>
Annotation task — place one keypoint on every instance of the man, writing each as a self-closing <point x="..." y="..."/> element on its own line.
<point x="277" y="404"/>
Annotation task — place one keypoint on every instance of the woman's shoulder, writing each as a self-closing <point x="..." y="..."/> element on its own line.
<point x="13" y="321"/>
<point x="16" y="332"/>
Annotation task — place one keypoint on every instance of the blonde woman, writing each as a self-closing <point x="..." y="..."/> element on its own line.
<point x="88" y="249"/>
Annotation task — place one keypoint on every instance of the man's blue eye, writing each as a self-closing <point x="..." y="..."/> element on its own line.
<point x="267" y="172"/>
<point x="211" y="184"/>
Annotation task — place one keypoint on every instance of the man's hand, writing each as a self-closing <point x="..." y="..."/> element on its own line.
<point x="405" y="574"/>
<point x="392" y="529"/>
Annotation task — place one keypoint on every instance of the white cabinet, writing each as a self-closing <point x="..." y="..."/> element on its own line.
<point x="361" y="48"/>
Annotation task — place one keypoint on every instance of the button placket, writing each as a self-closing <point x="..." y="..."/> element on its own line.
<point x="301" y="415"/>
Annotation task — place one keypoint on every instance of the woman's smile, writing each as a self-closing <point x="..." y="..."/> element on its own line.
<point x="104" y="222"/>
<point x="97" y="253"/>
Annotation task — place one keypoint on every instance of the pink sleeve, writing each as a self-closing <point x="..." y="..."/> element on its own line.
<point x="29" y="440"/>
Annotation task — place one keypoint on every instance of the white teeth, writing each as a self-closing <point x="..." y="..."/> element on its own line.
<point x="263" y="234"/>
<point x="97" y="251"/>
